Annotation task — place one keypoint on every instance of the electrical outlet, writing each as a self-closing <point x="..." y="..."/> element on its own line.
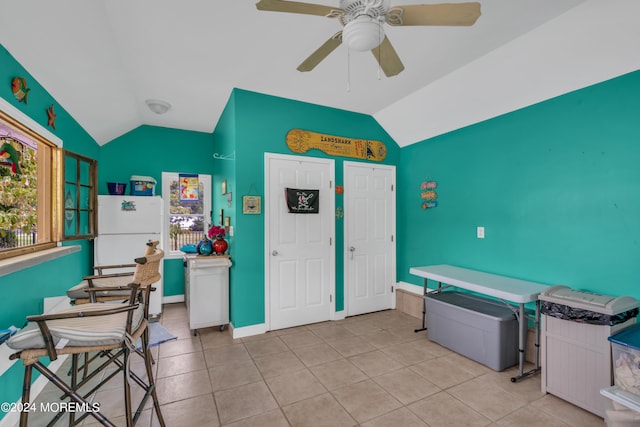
<point x="480" y="232"/>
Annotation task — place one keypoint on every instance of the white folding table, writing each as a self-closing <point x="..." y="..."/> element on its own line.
<point x="502" y="287"/>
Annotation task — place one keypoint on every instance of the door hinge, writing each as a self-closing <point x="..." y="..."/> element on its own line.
<point x="392" y="237"/>
<point x="391" y="288"/>
<point x="330" y="298"/>
<point x="391" y="187"/>
<point x="330" y="241"/>
<point x="330" y="184"/>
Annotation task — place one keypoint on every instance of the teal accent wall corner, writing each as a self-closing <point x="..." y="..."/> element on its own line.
<point x="224" y="169"/>
<point x="555" y="185"/>
<point x="261" y="123"/>
<point x="149" y="151"/>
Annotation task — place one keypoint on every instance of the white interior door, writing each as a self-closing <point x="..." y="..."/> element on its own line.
<point x="370" y="246"/>
<point x="300" y="254"/>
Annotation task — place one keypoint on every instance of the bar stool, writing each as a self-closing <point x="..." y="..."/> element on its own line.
<point x="109" y="328"/>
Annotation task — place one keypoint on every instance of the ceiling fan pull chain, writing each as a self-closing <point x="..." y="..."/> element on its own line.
<point x="379" y="51"/>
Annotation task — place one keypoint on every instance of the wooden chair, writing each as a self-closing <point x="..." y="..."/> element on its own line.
<point x="108" y="328"/>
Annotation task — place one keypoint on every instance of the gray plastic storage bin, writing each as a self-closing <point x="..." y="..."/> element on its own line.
<point x="478" y="328"/>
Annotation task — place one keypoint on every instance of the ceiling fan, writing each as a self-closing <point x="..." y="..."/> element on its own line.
<point x="363" y="20"/>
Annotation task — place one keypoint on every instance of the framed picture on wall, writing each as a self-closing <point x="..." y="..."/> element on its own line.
<point x="251" y="205"/>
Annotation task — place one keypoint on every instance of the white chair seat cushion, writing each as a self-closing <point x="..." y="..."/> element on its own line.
<point x="78" y="291"/>
<point x="80" y="331"/>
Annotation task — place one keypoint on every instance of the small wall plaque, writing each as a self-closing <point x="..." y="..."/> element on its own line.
<point x="251" y="205"/>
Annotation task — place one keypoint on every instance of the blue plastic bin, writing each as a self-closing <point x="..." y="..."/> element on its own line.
<point x="626" y="359"/>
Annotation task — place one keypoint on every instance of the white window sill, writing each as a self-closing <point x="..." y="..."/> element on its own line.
<point x="11" y="265"/>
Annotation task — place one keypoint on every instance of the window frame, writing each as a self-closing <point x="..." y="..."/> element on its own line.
<point x="77" y="208"/>
<point x="167" y="177"/>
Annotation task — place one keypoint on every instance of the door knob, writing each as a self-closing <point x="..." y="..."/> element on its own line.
<point x="274" y="253"/>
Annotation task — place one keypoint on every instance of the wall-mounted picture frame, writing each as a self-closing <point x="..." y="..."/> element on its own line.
<point x="224" y="187"/>
<point x="251" y="205"/>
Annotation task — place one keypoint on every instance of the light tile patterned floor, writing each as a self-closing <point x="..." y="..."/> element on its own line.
<point x="370" y="370"/>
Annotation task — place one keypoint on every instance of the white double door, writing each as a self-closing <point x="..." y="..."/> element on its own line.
<point x="300" y="248"/>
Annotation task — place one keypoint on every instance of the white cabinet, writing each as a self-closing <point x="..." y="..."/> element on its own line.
<point x="206" y="290"/>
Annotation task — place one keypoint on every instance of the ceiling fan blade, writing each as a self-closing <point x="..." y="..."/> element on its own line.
<point x="297" y="7"/>
<point x="322" y="52"/>
<point x="434" y="14"/>
<point x="388" y="58"/>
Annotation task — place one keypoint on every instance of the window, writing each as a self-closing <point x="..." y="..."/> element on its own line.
<point x="185" y="218"/>
<point x="32" y="214"/>
<point x="79" y="218"/>
<point x="26" y="200"/>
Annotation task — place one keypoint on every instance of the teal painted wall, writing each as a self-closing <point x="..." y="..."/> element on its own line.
<point x="555" y="185"/>
<point x="23" y="291"/>
<point x="149" y="151"/>
<point x="261" y="123"/>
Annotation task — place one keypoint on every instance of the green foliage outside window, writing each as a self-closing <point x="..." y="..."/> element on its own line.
<point x="19" y="201"/>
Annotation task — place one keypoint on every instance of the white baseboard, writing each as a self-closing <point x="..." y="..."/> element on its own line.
<point x="411" y="288"/>
<point x="247" y="331"/>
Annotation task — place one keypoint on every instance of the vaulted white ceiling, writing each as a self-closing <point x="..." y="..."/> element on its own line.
<point x="102" y="59"/>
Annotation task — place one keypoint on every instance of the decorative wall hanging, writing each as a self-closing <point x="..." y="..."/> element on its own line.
<point x="219" y="156"/>
<point x="69" y="212"/>
<point x="51" y="117"/>
<point x="302" y="201"/>
<point x="9" y="154"/>
<point x="339" y="190"/>
<point x="251" y="205"/>
<point x="339" y="212"/>
<point x="428" y="194"/>
<point x="20" y="89"/>
<point x="189" y="187"/>
<point x="301" y="141"/>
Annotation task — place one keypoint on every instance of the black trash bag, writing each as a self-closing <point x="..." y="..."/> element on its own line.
<point x="561" y="311"/>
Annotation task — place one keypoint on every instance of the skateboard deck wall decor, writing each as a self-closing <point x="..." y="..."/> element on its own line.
<point x="301" y="141"/>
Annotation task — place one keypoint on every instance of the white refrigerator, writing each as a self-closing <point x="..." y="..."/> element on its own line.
<point x="125" y="224"/>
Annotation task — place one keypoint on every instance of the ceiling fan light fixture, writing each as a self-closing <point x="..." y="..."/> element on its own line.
<point x="158" y="106"/>
<point x="363" y="33"/>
